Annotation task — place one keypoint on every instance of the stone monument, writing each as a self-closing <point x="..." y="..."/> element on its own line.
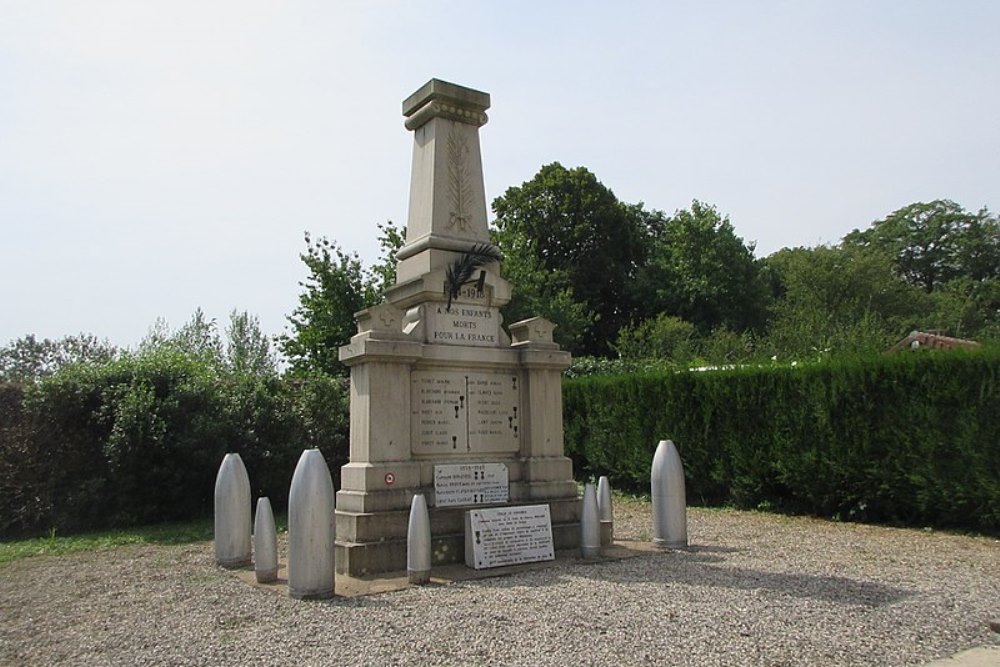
<point x="444" y="401"/>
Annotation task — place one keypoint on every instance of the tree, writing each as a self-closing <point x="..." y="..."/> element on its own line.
<point x="839" y="299"/>
<point x="248" y="349"/>
<point x="701" y="271"/>
<point x="547" y="293"/>
<point x="324" y="320"/>
<point x="935" y="242"/>
<point x="338" y="286"/>
<point x="661" y="337"/>
<point x="564" y="221"/>
<point x="27" y="358"/>
<point x="382" y="275"/>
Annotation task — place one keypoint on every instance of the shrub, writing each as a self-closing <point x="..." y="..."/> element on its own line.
<point x="139" y="440"/>
<point x="913" y="438"/>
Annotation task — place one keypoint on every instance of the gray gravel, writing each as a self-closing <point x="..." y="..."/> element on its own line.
<point x="755" y="589"/>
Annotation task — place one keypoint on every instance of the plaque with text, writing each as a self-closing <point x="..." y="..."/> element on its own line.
<point x="464" y="412"/>
<point x="471" y="484"/>
<point x="508" y="536"/>
<point x="463" y="324"/>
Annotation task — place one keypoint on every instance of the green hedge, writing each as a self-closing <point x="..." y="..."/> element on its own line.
<point x="140" y="440"/>
<point x="911" y="438"/>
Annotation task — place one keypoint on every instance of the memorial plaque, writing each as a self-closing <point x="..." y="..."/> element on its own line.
<point x="471" y="484"/>
<point x="463" y="324"/>
<point x="438" y="420"/>
<point x="508" y="536"/>
<point x="464" y="412"/>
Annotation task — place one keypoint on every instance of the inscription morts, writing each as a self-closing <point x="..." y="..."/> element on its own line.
<point x="457" y="412"/>
<point x="464" y="324"/>
<point x="471" y="484"/>
<point x="508" y="536"/>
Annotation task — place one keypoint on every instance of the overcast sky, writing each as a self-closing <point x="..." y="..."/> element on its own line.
<point x="160" y="156"/>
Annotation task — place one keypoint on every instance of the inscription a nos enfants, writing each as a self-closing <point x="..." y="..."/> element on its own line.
<point x="463" y="324"/>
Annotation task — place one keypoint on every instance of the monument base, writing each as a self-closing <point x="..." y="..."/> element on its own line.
<point x="358" y="554"/>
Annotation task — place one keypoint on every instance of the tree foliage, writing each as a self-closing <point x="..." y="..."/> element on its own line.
<point x="933" y="243"/>
<point x="701" y="271"/>
<point x="661" y="337"/>
<point x="838" y="299"/>
<point x="564" y="221"/>
<point x="337" y="287"/>
<point x="138" y="438"/>
<point x="27" y="358"/>
<point x="333" y="292"/>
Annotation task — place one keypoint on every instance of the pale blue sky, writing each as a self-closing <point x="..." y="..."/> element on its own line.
<point x="160" y="156"/>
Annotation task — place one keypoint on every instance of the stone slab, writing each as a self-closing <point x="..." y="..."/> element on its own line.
<point x="389" y="555"/>
<point x="463" y="324"/>
<point x="471" y="484"/>
<point x="508" y="536"/>
<point x="463" y="412"/>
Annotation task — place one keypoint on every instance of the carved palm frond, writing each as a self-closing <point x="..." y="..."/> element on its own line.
<point x="460" y="271"/>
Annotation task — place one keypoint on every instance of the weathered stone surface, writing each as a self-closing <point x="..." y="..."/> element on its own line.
<point x="435" y="378"/>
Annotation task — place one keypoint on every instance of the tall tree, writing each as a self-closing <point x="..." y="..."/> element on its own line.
<point x="334" y="291"/>
<point x="935" y="242"/>
<point x="248" y="349"/>
<point x="338" y="286"/>
<point x="27" y="358"/>
<point x="839" y="299"/>
<point x="565" y="222"/>
<point x="382" y="274"/>
<point x="701" y="271"/>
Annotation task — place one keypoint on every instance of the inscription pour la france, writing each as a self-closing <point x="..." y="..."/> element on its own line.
<point x="465" y="329"/>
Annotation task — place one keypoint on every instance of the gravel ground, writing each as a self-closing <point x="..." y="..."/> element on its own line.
<point x="754" y="589"/>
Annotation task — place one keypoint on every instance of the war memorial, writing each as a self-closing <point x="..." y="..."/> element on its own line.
<point x="444" y="402"/>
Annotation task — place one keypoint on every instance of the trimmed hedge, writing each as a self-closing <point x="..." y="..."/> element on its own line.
<point x="140" y="440"/>
<point x="911" y="438"/>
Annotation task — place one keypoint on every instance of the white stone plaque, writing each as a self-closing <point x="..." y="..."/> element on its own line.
<point x="508" y="536"/>
<point x="471" y="484"/>
<point x="463" y="324"/>
<point x="464" y="412"/>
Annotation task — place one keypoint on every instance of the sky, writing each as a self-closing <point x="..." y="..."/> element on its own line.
<point x="162" y="156"/>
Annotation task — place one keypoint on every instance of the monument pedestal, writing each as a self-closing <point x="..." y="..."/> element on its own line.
<point x="436" y="381"/>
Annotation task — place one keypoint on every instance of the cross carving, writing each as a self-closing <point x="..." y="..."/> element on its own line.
<point x="387" y="317"/>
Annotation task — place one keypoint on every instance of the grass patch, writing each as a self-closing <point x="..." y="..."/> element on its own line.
<point x="186" y="532"/>
<point x="181" y="532"/>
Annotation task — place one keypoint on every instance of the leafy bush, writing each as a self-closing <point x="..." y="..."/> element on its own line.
<point x="662" y="337"/>
<point x="911" y="438"/>
<point x="139" y="440"/>
<point x="22" y="477"/>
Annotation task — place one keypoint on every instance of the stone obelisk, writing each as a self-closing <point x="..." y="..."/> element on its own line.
<point x="436" y="380"/>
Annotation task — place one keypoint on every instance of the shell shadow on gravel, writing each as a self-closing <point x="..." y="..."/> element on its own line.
<point x="706" y="567"/>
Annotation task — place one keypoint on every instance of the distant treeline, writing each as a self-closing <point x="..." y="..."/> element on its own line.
<point x="122" y="438"/>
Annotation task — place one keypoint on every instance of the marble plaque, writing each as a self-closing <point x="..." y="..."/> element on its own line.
<point x="464" y="412"/>
<point x="508" y="536"/>
<point x="464" y="324"/>
<point x="471" y="484"/>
